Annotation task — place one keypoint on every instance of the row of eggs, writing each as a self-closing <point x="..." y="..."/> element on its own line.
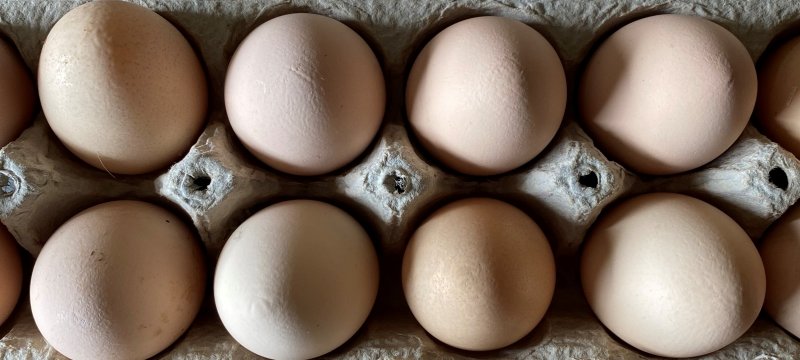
<point x="669" y="274"/>
<point x="133" y="103"/>
<point x="305" y="94"/>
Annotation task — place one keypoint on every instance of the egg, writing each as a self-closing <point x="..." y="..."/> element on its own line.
<point x="486" y="95"/>
<point x="17" y="95"/>
<point x="780" y="250"/>
<point x="121" y="87"/>
<point x="304" y="94"/>
<point x="10" y="274"/>
<point x="667" y="93"/>
<point x="778" y="105"/>
<point x="120" y="280"/>
<point x="672" y="275"/>
<point x="296" y="280"/>
<point x="478" y="274"/>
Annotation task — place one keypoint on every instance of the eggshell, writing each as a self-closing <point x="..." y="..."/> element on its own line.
<point x="304" y="94"/>
<point x="296" y="280"/>
<point x="486" y="95"/>
<point x="120" y="280"/>
<point x="478" y="274"/>
<point x="778" y="106"/>
<point x="10" y="274"/>
<point x="16" y="94"/>
<point x="668" y="93"/>
<point x="780" y="252"/>
<point x="672" y="275"/>
<point x="121" y="87"/>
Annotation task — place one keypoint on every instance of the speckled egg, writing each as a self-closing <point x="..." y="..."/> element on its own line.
<point x="478" y="274"/>
<point x="120" y="280"/>
<point x="121" y="87"/>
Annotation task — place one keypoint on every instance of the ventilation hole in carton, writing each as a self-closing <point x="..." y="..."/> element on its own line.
<point x="397" y="182"/>
<point x="200" y="183"/>
<point x="589" y="180"/>
<point x="8" y="185"/>
<point x="778" y="178"/>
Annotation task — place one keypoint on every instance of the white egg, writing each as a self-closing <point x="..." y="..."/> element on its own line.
<point x="305" y="94"/>
<point x="296" y="280"/>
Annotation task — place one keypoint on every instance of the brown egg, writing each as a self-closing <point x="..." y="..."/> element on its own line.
<point x="668" y="93"/>
<point x="778" y="106"/>
<point x="123" y="279"/>
<point x="486" y="95"/>
<point x="121" y="87"/>
<point x="16" y="94"/>
<point x="10" y="274"/>
<point x="296" y="280"/>
<point x="478" y="274"/>
<point x="305" y="94"/>
<point x="672" y="275"/>
<point x="780" y="251"/>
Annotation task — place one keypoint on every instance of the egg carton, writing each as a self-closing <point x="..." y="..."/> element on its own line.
<point x="394" y="184"/>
